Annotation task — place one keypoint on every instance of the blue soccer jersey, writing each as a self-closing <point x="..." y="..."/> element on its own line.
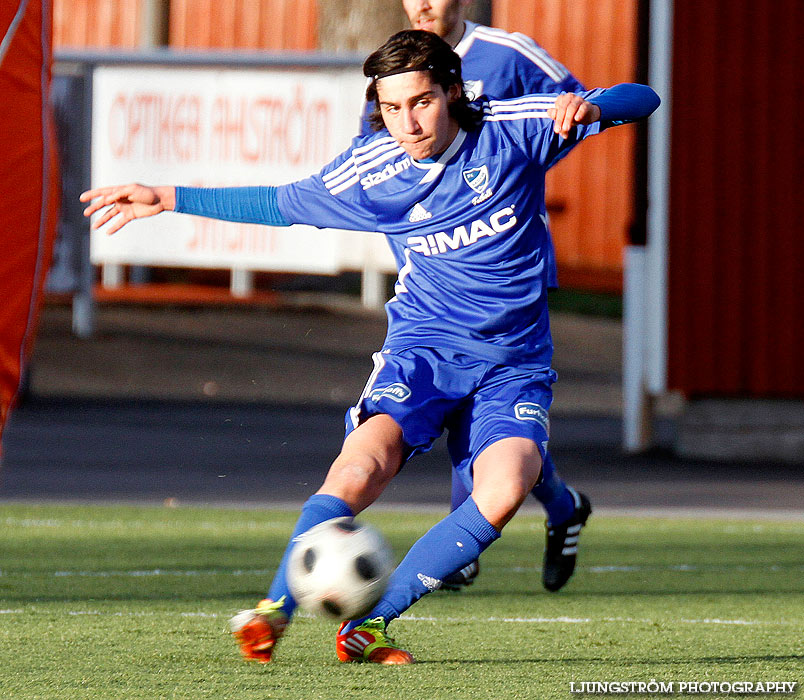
<point x="505" y="64"/>
<point x="468" y="230"/>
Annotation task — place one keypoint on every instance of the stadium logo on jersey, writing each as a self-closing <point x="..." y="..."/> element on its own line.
<point x="464" y="235"/>
<point x="396" y="392"/>
<point x="534" y="412"/>
<point x="478" y="180"/>
<point x="419" y="213"/>
<point x="389" y="171"/>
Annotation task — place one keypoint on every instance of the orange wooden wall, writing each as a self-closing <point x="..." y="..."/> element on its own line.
<point x="593" y="189"/>
<point x="244" y="24"/>
<point x="199" y="24"/>
<point x="96" y="23"/>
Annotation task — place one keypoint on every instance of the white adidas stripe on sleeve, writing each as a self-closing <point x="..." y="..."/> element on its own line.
<point x="525" y="46"/>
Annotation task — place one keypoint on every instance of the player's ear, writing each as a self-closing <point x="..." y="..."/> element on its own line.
<point x="454" y="92"/>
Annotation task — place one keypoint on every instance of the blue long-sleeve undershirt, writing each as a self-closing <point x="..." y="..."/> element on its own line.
<point x="248" y="205"/>
<point x="625" y="103"/>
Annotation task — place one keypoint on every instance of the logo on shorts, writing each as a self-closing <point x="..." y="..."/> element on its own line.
<point x="532" y="411"/>
<point x="396" y="392"/>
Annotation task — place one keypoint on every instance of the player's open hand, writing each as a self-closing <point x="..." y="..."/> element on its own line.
<point x="126" y="203"/>
<point x="569" y="110"/>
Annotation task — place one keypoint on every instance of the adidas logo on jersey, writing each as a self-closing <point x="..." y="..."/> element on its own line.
<point x="419" y="213"/>
<point x="389" y="171"/>
<point x="464" y="235"/>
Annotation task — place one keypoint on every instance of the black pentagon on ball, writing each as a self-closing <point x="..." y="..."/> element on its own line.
<point x="308" y="561"/>
<point x="366" y="568"/>
<point x="347" y="526"/>
<point x="331" y="607"/>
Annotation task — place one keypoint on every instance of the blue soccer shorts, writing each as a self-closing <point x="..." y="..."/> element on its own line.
<point x="427" y="390"/>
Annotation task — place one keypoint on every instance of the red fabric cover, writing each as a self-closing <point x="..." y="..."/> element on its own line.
<point x="28" y="196"/>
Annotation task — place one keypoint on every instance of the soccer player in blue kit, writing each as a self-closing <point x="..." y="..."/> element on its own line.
<point x="505" y="64"/>
<point x="468" y="347"/>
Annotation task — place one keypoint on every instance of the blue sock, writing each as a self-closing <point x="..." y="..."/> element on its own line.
<point x="316" y="509"/>
<point x="554" y="494"/>
<point x="448" y="546"/>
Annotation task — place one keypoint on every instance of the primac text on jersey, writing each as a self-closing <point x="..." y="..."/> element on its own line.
<point x="463" y="235"/>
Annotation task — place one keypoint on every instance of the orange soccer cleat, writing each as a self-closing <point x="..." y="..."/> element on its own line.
<point x="370" y="642"/>
<point x="257" y="631"/>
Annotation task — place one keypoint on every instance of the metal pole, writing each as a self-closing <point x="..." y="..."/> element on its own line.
<point x="83" y="299"/>
<point x="659" y="136"/>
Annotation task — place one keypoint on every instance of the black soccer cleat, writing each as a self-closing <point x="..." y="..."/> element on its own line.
<point x="462" y="578"/>
<point x="562" y="545"/>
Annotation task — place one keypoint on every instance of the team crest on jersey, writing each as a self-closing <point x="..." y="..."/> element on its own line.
<point x="396" y="392"/>
<point x="478" y="180"/>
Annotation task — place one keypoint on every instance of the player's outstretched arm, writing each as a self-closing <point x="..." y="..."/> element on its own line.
<point x="617" y="105"/>
<point x="251" y="205"/>
<point x="127" y="202"/>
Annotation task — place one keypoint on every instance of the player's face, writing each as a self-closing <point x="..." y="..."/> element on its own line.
<point x="442" y="17"/>
<point x="416" y="113"/>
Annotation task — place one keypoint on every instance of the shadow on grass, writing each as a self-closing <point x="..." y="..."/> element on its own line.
<point x="643" y="592"/>
<point x="623" y="662"/>
<point x="103" y="597"/>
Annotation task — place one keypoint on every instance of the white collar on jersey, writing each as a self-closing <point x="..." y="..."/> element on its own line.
<point x="435" y="167"/>
<point x="466" y="40"/>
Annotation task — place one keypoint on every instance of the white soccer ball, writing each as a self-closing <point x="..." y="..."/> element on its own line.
<point x="339" y="568"/>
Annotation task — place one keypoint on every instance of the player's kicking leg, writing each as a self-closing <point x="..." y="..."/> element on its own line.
<point x="370" y="457"/>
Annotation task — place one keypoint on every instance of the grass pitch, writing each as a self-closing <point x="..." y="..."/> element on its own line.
<point x="129" y="602"/>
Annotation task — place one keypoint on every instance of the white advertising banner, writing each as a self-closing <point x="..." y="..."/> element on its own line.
<point x="224" y="127"/>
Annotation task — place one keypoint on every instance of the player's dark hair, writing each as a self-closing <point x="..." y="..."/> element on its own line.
<point x="417" y="50"/>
